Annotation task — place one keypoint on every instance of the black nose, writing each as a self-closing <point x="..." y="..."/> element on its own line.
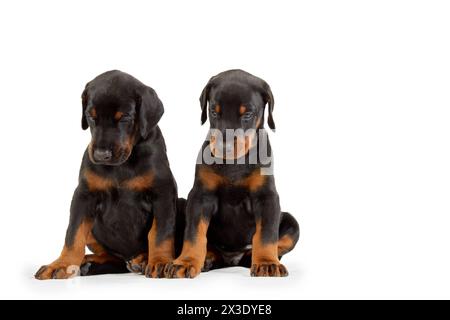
<point x="102" y="155"/>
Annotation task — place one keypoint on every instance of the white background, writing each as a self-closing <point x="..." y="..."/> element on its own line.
<point x="362" y="143"/>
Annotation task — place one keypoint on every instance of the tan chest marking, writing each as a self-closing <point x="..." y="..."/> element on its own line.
<point x="140" y="183"/>
<point x="254" y="181"/>
<point x="211" y="180"/>
<point x="96" y="182"/>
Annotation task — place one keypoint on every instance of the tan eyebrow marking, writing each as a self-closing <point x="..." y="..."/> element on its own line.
<point x="242" y="109"/>
<point x="118" y="115"/>
<point x="217" y="108"/>
<point x="93" y="113"/>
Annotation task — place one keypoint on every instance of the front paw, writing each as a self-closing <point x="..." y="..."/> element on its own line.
<point x="268" y="270"/>
<point x="156" y="269"/>
<point x="182" y="269"/>
<point x="57" y="271"/>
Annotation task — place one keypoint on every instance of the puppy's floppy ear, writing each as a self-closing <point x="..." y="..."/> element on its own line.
<point x="268" y="99"/>
<point x="204" y="97"/>
<point x="150" y="109"/>
<point x="84" y="101"/>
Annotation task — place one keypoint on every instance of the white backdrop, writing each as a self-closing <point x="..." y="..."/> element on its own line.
<point x="362" y="142"/>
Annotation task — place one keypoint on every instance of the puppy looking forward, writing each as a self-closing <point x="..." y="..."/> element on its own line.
<point x="124" y="207"/>
<point x="233" y="214"/>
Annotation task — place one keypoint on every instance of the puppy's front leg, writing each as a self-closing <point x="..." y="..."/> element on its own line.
<point x="201" y="205"/>
<point x="161" y="238"/>
<point x="72" y="255"/>
<point x="265" y="262"/>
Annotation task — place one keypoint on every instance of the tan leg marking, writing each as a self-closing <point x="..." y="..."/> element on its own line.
<point x="265" y="261"/>
<point x="190" y="263"/>
<point x="285" y="244"/>
<point x="159" y="254"/>
<point x="68" y="263"/>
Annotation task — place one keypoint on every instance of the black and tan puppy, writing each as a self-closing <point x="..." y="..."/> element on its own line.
<point x="124" y="207"/>
<point x="233" y="214"/>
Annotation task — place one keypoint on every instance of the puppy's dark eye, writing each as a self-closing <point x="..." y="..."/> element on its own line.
<point x="213" y="114"/>
<point x="90" y="119"/>
<point x="126" y="118"/>
<point x="247" y="116"/>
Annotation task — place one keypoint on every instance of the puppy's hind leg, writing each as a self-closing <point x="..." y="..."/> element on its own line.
<point x="107" y="267"/>
<point x="213" y="260"/>
<point x="100" y="262"/>
<point x="288" y="236"/>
